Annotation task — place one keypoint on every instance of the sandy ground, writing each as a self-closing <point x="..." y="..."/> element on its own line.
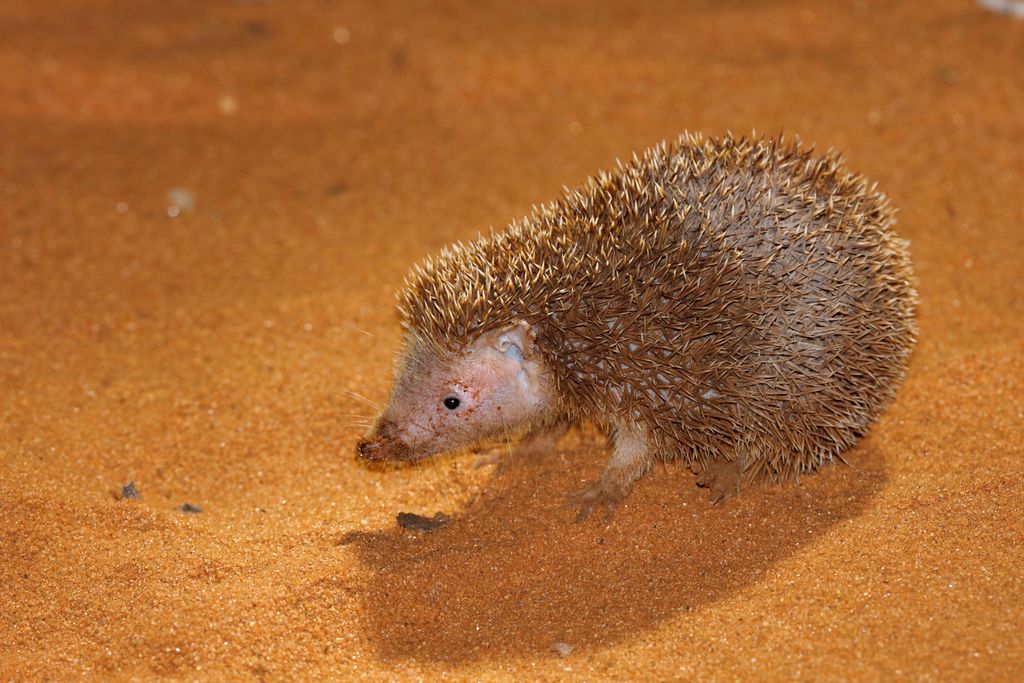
<point x="213" y="358"/>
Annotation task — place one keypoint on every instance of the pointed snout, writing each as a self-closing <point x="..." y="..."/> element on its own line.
<point x="370" y="449"/>
<point x="374" y="450"/>
<point x="383" y="444"/>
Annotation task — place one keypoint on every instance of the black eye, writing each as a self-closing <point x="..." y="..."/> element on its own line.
<point x="451" y="403"/>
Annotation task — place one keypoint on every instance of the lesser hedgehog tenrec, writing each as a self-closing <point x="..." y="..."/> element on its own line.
<point x="739" y="304"/>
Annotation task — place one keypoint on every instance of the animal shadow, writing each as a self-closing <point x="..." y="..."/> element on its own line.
<point x="512" y="574"/>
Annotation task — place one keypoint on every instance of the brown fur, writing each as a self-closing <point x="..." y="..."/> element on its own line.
<point x="723" y="299"/>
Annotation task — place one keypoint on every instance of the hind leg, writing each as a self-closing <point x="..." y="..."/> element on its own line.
<point x="630" y="460"/>
<point x="724" y="478"/>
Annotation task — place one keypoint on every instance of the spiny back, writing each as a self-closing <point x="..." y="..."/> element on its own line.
<point x="704" y="284"/>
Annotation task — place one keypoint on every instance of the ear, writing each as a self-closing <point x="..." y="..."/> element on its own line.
<point x="516" y="341"/>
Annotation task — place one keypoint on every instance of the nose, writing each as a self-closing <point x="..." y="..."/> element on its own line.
<point x="385" y="444"/>
<point x="382" y="442"/>
<point x="370" y="449"/>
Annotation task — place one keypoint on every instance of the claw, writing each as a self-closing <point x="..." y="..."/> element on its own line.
<point x="721" y="478"/>
<point x="599" y="493"/>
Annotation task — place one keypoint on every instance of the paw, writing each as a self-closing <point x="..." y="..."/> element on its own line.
<point x="495" y="457"/>
<point x="504" y="460"/>
<point x="601" y="493"/>
<point x="722" y="478"/>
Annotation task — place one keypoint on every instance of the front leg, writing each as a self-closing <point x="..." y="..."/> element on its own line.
<point x="540" y="441"/>
<point x="536" y="443"/>
<point x="630" y="460"/>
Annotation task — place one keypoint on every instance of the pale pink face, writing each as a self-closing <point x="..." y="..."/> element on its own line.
<point x="444" y="403"/>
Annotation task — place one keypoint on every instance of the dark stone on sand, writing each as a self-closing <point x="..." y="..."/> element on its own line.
<point x="414" y="522"/>
<point x="129" y="492"/>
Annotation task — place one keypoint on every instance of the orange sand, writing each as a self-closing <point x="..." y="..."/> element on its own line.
<point x="329" y="145"/>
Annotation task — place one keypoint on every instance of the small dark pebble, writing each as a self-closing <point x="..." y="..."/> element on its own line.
<point x="190" y="508"/>
<point x="256" y="28"/>
<point x="335" y="189"/>
<point x="129" y="492"/>
<point x="414" y="522"/>
<point x="399" y="59"/>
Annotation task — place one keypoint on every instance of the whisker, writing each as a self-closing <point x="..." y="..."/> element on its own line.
<point x="505" y="467"/>
<point x="361" y="398"/>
